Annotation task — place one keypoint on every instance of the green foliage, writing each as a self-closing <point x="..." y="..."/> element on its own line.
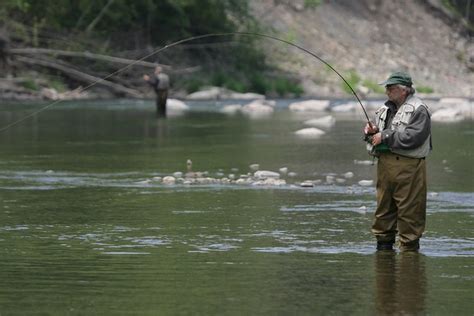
<point x="311" y="4"/>
<point x="57" y="84"/>
<point x="353" y="79"/>
<point x="373" y="86"/>
<point x="284" y="86"/>
<point x="30" y="84"/>
<point x="424" y="89"/>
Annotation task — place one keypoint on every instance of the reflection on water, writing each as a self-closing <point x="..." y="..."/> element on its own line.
<point x="400" y="283"/>
<point x="84" y="229"/>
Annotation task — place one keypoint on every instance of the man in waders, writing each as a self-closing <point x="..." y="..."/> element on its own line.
<point x="401" y="139"/>
<point x="160" y="83"/>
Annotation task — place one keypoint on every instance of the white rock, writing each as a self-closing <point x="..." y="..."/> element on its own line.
<point x="364" y="162"/>
<point x="346" y="107"/>
<point x="231" y="176"/>
<point x="307" y="184"/>
<point x="283" y="170"/>
<point x="209" y="94"/>
<point x="174" y="105"/>
<point x="254" y="167"/>
<point x="156" y="179"/>
<point x="258" y="107"/>
<point x="362" y="209"/>
<point x="366" y="183"/>
<point x="50" y="93"/>
<point x="348" y="175"/>
<point x="340" y="180"/>
<point x="325" y="121"/>
<point x="264" y="174"/>
<point x="241" y="181"/>
<point x="330" y="179"/>
<point x="309" y="106"/>
<point x="169" y="180"/>
<point x="245" y="96"/>
<point x="270" y="182"/>
<point x="447" y="115"/>
<point x="178" y="174"/>
<point x="310" y="132"/>
<point x="292" y="174"/>
<point x="231" y="108"/>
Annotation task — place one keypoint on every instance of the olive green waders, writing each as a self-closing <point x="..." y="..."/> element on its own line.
<point x="401" y="200"/>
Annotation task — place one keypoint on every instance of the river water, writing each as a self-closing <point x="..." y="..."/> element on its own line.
<point x="84" y="231"/>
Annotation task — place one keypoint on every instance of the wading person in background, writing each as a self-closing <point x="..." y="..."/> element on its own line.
<point x="160" y="83"/>
<point x="401" y="139"/>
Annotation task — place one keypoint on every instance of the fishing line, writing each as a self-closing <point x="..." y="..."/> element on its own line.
<point x="188" y="40"/>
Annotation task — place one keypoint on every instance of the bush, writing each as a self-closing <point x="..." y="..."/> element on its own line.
<point x="424" y="89"/>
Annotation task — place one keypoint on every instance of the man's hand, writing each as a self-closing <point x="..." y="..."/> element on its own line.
<point x="377" y="139"/>
<point x="146" y="77"/>
<point x="370" y="128"/>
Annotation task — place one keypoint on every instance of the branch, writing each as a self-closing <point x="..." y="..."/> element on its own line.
<point x="119" y="60"/>
<point x="75" y="74"/>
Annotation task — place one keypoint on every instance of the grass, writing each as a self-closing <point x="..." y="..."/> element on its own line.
<point x="424" y="89"/>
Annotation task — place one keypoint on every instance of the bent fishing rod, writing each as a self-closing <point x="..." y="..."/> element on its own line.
<point x="189" y="39"/>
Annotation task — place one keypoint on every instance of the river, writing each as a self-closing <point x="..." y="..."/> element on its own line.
<point x="85" y="230"/>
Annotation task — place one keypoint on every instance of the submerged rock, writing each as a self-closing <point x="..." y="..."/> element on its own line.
<point x="309" y="106"/>
<point x="310" y="132"/>
<point x="231" y="109"/>
<point x="325" y="121"/>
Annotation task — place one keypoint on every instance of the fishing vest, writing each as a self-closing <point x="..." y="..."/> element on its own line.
<point x="399" y="123"/>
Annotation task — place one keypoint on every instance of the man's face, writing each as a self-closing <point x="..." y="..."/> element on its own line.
<point x="395" y="94"/>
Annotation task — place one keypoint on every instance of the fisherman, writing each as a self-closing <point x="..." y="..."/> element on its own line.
<point x="4" y="56"/>
<point x="401" y="139"/>
<point x="160" y="83"/>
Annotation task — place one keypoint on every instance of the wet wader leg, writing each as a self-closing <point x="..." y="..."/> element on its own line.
<point x="384" y="226"/>
<point x="161" y="98"/>
<point x="410" y="195"/>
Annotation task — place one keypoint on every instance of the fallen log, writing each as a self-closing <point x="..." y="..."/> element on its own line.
<point x="56" y="52"/>
<point x="80" y="76"/>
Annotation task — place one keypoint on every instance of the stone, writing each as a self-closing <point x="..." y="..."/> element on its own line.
<point x="169" y="180"/>
<point x="309" y="106"/>
<point x="231" y="109"/>
<point x="174" y="105"/>
<point x="366" y="183"/>
<point x="178" y="174"/>
<point x="325" y="121"/>
<point x="254" y="167"/>
<point x="264" y="174"/>
<point x="349" y="175"/>
<point x="311" y="132"/>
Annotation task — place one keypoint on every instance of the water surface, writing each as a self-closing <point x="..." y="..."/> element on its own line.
<point x="83" y="230"/>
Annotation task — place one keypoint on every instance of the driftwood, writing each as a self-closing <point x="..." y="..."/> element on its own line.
<point x="34" y="51"/>
<point x="80" y="76"/>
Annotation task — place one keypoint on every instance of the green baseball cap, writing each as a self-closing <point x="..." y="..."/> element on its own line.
<point x="398" y="78"/>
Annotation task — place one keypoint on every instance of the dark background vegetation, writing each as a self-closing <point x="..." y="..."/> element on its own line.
<point x="133" y="29"/>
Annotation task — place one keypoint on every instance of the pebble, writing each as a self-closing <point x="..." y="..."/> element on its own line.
<point x="366" y="183"/>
